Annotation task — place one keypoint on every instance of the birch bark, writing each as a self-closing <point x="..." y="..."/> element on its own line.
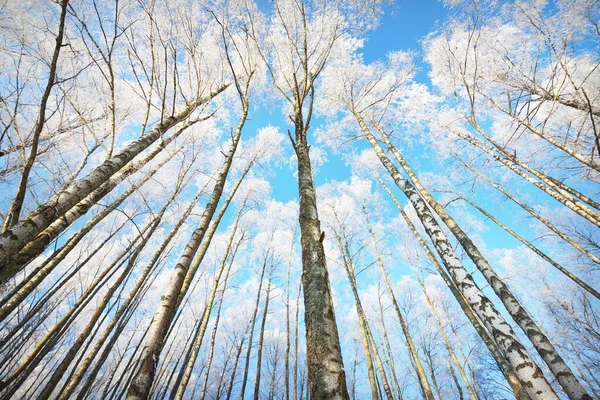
<point x="141" y="385"/>
<point x="15" y="238"/>
<point x="526" y="369"/>
<point x="540" y="341"/>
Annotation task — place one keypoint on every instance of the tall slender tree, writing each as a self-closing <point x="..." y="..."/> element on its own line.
<point x="129" y="130"/>
<point x="306" y="52"/>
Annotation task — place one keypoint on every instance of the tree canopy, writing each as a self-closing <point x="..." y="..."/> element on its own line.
<point x="300" y="199"/>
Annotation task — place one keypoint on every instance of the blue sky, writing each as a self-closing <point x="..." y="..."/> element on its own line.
<point x="402" y="27"/>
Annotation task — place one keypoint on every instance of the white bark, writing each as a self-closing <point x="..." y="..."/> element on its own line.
<point x="15" y="238"/>
<point x="526" y="369"/>
<point x="140" y="387"/>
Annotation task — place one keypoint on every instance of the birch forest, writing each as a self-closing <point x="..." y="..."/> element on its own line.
<point x="300" y="199"/>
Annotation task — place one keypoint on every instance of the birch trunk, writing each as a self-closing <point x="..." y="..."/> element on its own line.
<point x="412" y="348"/>
<point x="326" y="375"/>
<point x="140" y="387"/>
<point x="386" y="385"/>
<point x="209" y="304"/>
<point x="526" y="369"/>
<point x="14" y="212"/>
<point x="555" y="184"/>
<point x="481" y="330"/>
<point x="362" y="322"/>
<point x="193" y="269"/>
<point x="447" y="343"/>
<point x="461" y="395"/>
<point x="430" y="366"/>
<point x="537" y="251"/>
<point x="43" y="240"/>
<point x="59" y="370"/>
<point x="214" y="331"/>
<point x="549" y="188"/>
<point x="252" y="323"/>
<point x="15" y="238"/>
<point x="40" y="273"/>
<point x="261" y="335"/>
<point x="388" y="349"/>
<point x="82" y="368"/>
<point x="549" y="354"/>
<point x="531" y="211"/>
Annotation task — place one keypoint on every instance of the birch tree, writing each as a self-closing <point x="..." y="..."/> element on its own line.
<point x="359" y="94"/>
<point x="295" y="47"/>
<point x="24" y="231"/>
<point x="445" y="204"/>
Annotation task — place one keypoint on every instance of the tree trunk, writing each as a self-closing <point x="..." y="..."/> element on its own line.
<point x="261" y="335"/>
<point x="526" y="369"/>
<point x="140" y="387"/>
<point x="189" y="277"/>
<point x="216" y="327"/>
<point x="549" y="354"/>
<point x="447" y="343"/>
<point x="362" y="322"/>
<point x="15" y="238"/>
<point x="59" y="370"/>
<point x="45" y="238"/>
<point x="386" y="385"/>
<point x="209" y="304"/>
<point x="429" y="362"/>
<point x="135" y="291"/>
<point x="549" y="187"/>
<point x="389" y="351"/>
<point x="326" y="375"/>
<point x="531" y="211"/>
<point x="481" y="330"/>
<point x="14" y="212"/>
<point x="537" y="251"/>
<point x="251" y="338"/>
<point x="39" y="274"/>
<point x="413" y="352"/>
